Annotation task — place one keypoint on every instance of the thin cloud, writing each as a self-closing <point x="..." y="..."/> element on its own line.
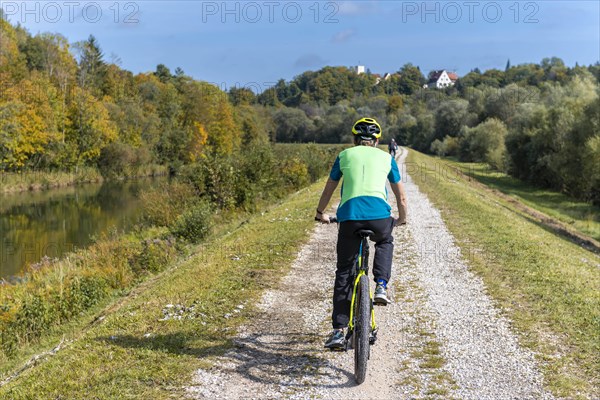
<point x="357" y="7"/>
<point x="309" y="61"/>
<point x="343" y="36"/>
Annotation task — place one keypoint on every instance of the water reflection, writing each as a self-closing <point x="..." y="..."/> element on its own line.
<point x="51" y="223"/>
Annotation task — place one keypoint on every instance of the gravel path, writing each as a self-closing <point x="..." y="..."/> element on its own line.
<point x="437" y="301"/>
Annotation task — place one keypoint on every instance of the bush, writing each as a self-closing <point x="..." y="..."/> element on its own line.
<point x="437" y="147"/>
<point x="484" y="143"/>
<point x="116" y="160"/>
<point x="295" y="173"/>
<point x="220" y="180"/>
<point x="154" y="256"/>
<point x="164" y="204"/>
<point x="82" y="293"/>
<point x="257" y="177"/>
<point x="194" y="224"/>
<point x="317" y="158"/>
<point x="451" y="145"/>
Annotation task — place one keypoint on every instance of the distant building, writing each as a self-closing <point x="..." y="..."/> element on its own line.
<point x="441" y="79"/>
<point x="358" y="69"/>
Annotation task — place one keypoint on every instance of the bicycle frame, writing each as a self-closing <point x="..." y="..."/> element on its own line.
<point x="363" y="254"/>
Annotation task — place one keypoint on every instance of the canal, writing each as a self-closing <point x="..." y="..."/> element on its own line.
<point x="51" y="223"/>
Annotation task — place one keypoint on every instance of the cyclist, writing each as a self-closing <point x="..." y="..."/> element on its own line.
<point x="393" y="147"/>
<point x="364" y="205"/>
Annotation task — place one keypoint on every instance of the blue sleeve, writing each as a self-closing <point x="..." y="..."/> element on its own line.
<point x="336" y="172"/>
<point x="394" y="175"/>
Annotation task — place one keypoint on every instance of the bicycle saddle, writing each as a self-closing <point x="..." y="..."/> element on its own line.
<point x="363" y="233"/>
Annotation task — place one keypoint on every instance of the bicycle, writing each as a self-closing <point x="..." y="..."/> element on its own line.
<point x="362" y="328"/>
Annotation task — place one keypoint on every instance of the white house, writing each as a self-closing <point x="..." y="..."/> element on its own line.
<point x="441" y="79"/>
<point x="359" y="69"/>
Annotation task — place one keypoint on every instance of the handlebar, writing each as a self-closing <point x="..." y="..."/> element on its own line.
<point x="333" y="220"/>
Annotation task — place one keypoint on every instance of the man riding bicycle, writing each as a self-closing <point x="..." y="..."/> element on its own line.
<point x="364" y="205"/>
<point x="393" y="147"/>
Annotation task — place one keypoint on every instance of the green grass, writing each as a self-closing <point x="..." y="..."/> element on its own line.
<point x="133" y="354"/>
<point x="548" y="286"/>
<point x="580" y="216"/>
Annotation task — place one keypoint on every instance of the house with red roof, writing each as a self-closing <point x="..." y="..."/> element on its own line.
<point x="440" y="79"/>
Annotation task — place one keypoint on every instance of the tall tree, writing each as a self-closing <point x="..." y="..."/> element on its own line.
<point x="163" y="73"/>
<point x="92" y="68"/>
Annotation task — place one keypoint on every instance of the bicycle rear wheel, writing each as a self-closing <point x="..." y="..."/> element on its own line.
<point x="362" y="329"/>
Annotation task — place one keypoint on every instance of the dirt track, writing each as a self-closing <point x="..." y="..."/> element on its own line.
<point x="441" y="338"/>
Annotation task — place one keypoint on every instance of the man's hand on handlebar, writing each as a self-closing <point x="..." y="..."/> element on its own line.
<point x="323" y="218"/>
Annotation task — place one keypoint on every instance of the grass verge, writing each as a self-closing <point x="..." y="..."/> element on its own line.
<point x="581" y="216"/>
<point x="548" y="286"/>
<point x="149" y="345"/>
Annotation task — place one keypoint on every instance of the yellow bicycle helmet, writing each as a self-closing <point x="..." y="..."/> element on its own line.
<point x="367" y="128"/>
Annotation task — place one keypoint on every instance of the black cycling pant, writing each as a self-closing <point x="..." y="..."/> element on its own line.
<point x="347" y="249"/>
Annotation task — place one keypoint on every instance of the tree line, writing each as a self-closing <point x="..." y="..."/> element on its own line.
<point x="63" y="106"/>
<point x="537" y="122"/>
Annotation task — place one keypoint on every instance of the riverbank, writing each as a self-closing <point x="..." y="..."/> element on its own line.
<point x="51" y="223"/>
<point x="153" y="337"/>
<point x="197" y="206"/>
<point x="16" y="182"/>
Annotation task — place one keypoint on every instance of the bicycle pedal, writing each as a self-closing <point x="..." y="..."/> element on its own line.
<point x="373" y="337"/>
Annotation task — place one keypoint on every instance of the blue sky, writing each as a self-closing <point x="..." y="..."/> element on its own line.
<point x="255" y="43"/>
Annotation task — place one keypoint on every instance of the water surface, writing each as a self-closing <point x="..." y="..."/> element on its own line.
<point x="53" y="222"/>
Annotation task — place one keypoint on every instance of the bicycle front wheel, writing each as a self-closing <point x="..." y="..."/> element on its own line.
<point x="362" y="330"/>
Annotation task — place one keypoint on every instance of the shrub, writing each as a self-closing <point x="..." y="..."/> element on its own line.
<point x="437" y="147"/>
<point x="484" y="143"/>
<point x="220" y="180"/>
<point x="154" y="256"/>
<point x="194" y="224"/>
<point x="295" y="173"/>
<point x="116" y="160"/>
<point x="258" y="178"/>
<point x="163" y="205"/>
